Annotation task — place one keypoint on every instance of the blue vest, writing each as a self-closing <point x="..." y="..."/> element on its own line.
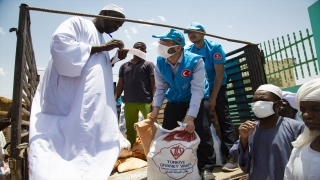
<point x="207" y="53"/>
<point x="179" y="90"/>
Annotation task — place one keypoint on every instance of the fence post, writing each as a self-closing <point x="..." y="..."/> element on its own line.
<point x="15" y="159"/>
<point x="314" y="14"/>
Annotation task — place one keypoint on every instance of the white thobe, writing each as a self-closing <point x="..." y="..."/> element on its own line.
<point x="303" y="164"/>
<point x="73" y="124"/>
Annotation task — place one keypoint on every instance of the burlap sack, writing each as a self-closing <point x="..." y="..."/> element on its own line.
<point x="129" y="164"/>
<point x="146" y="130"/>
<point x="116" y="164"/>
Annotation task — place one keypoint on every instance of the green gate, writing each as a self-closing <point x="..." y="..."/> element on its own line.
<point x="290" y="60"/>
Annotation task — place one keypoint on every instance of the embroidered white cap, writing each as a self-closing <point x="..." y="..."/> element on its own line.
<point x="271" y="88"/>
<point x="112" y="7"/>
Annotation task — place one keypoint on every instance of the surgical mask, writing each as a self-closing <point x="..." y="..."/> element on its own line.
<point x="163" y="51"/>
<point x="262" y="109"/>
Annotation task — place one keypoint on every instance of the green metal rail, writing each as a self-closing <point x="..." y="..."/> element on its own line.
<point x="288" y="61"/>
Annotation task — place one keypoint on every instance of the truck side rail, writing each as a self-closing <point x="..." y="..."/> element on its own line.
<point x="26" y="80"/>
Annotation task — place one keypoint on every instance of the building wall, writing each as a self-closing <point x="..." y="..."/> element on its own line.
<point x="280" y="72"/>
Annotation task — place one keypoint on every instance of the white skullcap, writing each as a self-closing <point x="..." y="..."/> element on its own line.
<point x="309" y="91"/>
<point x="271" y="88"/>
<point x="291" y="98"/>
<point x="112" y="7"/>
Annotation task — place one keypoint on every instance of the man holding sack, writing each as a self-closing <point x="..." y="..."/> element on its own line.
<point x="180" y="77"/>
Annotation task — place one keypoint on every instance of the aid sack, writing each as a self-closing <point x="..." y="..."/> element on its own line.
<point x="173" y="155"/>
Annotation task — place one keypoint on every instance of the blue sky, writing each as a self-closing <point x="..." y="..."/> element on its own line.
<point x="249" y="20"/>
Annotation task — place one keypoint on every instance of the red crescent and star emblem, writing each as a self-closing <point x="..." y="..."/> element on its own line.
<point x="217" y="56"/>
<point x="186" y="73"/>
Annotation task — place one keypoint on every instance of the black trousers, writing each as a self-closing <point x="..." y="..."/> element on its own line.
<point x="228" y="135"/>
<point x="177" y="112"/>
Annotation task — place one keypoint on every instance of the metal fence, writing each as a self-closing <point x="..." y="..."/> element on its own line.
<point x="26" y="80"/>
<point x="290" y="60"/>
<point x="244" y="69"/>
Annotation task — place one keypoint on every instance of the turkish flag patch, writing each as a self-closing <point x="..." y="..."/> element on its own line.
<point x="186" y="73"/>
<point x="217" y="56"/>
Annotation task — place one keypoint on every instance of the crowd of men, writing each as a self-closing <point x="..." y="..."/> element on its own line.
<point x="74" y="121"/>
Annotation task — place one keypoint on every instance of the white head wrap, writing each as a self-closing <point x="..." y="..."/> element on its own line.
<point x="112" y="7"/>
<point x="271" y="88"/>
<point x="291" y="98"/>
<point x="309" y="91"/>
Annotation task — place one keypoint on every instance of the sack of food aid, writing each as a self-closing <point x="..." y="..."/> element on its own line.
<point x="146" y="130"/>
<point x="173" y="155"/>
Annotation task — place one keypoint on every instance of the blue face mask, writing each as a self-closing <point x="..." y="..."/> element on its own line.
<point x="262" y="109"/>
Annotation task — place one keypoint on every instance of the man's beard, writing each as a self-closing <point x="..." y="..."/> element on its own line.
<point x="307" y="136"/>
<point x="314" y="133"/>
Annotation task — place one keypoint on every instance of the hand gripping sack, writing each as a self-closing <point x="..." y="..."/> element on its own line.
<point x="173" y="155"/>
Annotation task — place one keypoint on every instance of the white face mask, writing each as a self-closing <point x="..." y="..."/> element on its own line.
<point x="262" y="109"/>
<point x="163" y="51"/>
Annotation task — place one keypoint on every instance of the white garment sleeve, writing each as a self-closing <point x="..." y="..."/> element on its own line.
<point x="197" y="88"/>
<point x="161" y="88"/>
<point x="69" y="50"/>
<point x="288" y="169"/>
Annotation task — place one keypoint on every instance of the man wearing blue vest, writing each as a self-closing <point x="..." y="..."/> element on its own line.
<point x="214" y="60"/>
<point x="180" y="78"/>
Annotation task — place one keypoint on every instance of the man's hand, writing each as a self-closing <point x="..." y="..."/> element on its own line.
<point x="190" y="124"/>
<point x="212" y="101"/>
<point x="114" y="43"/>
<point x="122" y="53"/>
<point x="154" y="114"/>
<point x="245" y="130"/>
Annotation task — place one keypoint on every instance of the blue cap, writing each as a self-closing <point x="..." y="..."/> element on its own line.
<point x="174" y="35"/>
<point x="194" y="26"/>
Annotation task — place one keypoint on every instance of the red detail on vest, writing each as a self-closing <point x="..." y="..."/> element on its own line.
<point x="186" y="73"/>
<point x="176" y="151"/>
<point x="180" y="136"/>
<point x="217" y="56"/>
<point x="179" y="39"/>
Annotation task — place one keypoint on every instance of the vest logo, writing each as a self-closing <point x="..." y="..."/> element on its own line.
<point x="176" y="151"/>
<point x="185" y="73"/>
<point x="217" y="56"/>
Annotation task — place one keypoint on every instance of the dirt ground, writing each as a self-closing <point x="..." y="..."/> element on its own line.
<point x="141" y="174"/>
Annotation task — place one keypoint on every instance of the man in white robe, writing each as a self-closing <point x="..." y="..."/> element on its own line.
<point x="304" y="161"/>
<point x="73" y="124"/>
